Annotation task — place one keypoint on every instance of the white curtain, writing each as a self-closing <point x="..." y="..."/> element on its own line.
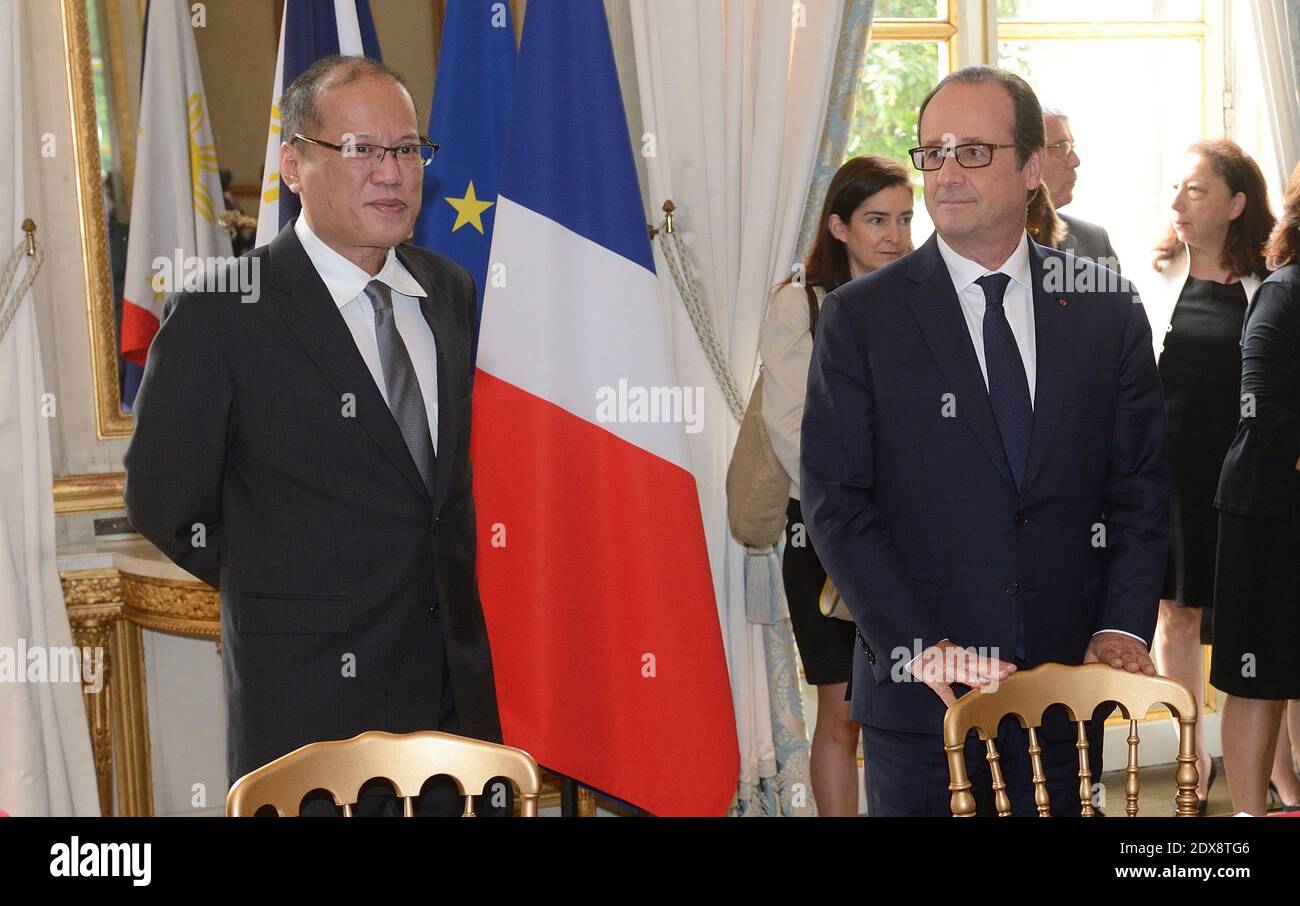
<point x="45" y="761"/>
<point x="734" y="96"/>
<point x="1277" y="70"/>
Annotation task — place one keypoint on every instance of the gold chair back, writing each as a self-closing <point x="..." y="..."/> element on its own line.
<point x="1027" y="694"/>
<point x="342" y="767"/>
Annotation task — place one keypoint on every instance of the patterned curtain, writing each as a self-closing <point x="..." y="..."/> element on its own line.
<point x="850" y="57"/>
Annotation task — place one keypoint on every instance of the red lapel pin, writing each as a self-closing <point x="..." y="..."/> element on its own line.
<point x="1062" y="301"/>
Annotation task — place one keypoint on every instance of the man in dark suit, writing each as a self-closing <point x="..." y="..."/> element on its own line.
<point x="306" y="453"/>
<point x="1060" y="172"/>
<point x="983" y="461"/>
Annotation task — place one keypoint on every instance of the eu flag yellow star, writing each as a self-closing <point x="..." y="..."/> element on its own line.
<point x="469" y="210"/>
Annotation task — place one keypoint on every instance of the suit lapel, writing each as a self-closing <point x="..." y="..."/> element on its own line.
<point x="438" y="313"/>
<point x="315" y="320"/>
<point x="1054" y="336"/>
<point x="937" y="311"/>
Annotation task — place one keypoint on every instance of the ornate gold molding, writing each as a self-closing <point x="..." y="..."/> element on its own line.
<point x="89" y="493"/>
<point x="107" y="609"/>
<point x="112" y="39"/>
<point x="110" y="421"/>
<point x="191" y="609"/>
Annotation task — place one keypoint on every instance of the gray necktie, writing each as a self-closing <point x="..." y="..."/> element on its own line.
<point x="404" y="397"/>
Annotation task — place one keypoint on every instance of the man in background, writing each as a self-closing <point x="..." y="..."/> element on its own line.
<point x="1060" y="173"/>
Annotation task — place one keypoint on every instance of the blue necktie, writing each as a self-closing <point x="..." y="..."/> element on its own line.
<point x="1008" y="390"/>
<point x="1008" y="386"/>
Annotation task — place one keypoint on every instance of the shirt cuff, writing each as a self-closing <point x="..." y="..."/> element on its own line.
<point x="1122" y="632"/>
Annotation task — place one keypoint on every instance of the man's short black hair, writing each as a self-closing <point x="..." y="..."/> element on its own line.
<point x="298" y="111"/>
<point x="1030" y="134"/>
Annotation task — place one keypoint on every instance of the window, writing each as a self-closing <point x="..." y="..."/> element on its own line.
<point x="1140" y="80"/>
<point x="1134" y="88"/>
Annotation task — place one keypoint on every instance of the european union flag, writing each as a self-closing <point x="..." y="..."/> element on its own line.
<point x="471" y="101"/>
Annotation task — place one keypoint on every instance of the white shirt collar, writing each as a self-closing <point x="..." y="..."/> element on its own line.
<point x="344" y="280"/>
<point x="964" y="272"/>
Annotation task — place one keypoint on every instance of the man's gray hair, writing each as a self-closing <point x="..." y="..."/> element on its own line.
<point x="298" y="111"/>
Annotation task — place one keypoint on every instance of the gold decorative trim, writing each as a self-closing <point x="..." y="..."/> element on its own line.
<point x="83" y="588"/>
<point x="130" y="709"/>
<point x="91" y="493"/>
<point x="110" y="421"/>
<point x="121" y="102"/>
<point x="191" y="609"/>
<point x="107" y="609"/>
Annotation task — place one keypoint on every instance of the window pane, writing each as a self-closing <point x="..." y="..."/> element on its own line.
<point x="912" y="9"/>
<point x="1134" y="106"/>
<point x="1100" y="10"/>
<point x="896" y="77"/>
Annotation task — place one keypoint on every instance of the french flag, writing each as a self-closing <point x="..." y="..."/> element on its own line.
<point x="592" y="562"/>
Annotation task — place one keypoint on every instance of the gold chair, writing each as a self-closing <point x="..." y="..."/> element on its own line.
<point x="1025" y="695"/>
<point x="342" y="767"/>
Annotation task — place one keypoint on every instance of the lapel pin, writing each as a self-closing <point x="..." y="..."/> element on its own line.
<point x="1062" y="301"/>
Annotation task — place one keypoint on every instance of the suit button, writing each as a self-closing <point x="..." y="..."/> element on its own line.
<point x="1021" y="520"/>
<point x="866" y="649"/>
<point x="1012" y="588"/>
<point x="435" y="525"/>
<point x="435" y="611"/>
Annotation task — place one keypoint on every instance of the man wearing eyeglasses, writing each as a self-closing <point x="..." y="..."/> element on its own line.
<point x="307" y="453"/>
<point x="983" y="465"/>
<point x="1061" y="172"/>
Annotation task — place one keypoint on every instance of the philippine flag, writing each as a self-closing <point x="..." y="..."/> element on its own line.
<point x="310" y="29"/>
<point x="176" y="195"/>
<point x="591" y="555"/>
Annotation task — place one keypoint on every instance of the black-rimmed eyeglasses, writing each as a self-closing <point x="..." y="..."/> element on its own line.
<point x="415" y="155"/>
<point x="970" y="155"/>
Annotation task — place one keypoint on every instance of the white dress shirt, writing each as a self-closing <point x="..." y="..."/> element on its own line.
<point x="347" y="283"/>
<point x="1018" y="302"/>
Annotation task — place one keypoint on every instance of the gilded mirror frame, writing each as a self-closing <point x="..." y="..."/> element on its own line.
<point x="110" y="420"/>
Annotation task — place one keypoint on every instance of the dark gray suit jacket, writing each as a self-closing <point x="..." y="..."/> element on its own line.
<point x="344" y="582"/>
<point x="1088" y="240"/>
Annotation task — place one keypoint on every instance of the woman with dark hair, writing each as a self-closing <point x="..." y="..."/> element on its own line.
<point x="1042" y="222"/>
<point x="866" y="223"/>
<point x="1256" y="633"/>
<point x="1207" y="267"/>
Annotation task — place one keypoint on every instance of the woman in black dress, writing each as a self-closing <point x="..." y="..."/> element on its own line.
<point x="866" y="223"/>
<point x="1256" y="631"/>
<point x="1209" y="264"/>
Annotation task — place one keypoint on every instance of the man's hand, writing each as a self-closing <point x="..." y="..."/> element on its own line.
<point x="945" y="663"/>
<point x="1121" y="652"/>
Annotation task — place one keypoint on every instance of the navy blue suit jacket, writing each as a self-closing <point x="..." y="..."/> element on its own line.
<point x="910" y="502"/>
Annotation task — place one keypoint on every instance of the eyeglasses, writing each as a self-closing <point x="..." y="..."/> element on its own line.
<point x="971" y="156"/>
<point x="414" y="155"/>
<point x="1062" y="148"/>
